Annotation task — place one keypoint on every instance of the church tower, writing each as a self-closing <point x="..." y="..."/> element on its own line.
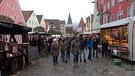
<point x="69" y="20"/>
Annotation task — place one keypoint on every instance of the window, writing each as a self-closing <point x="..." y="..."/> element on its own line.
<point x="129" y="12"/>
<point x="112" y="18"/>
<point x="19" y="18"/>
<point x="32" y="22"/>
<point x="120" y="15"/>
<point x="105" y="8"/>
<point x="113" y="3"/>
<point x="35" y="23"/>
<point x="105" y="20"/>
<point x="119" y="1"/>
<point x="108" y="5"/>
<point x="108" y="19"/>
<point x="134" y="9"/>
<point x="9" y="15"/>
<point x="3" y="13"/>
<point x="29" y="21"/>
<point x="15" y="17"/>
<point x="8" y="4"/>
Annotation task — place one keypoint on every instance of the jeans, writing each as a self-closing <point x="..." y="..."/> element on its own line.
<point x="75" y="58"/>
<point x="55" y="59"/>
<point x="64" y="55"/>
<point x="83" y="52"/>
<point x="95" y="52"/>
<point x="90" y="53"/>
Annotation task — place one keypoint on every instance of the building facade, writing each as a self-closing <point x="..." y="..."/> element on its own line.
<point x="30" y="19"/>
<point x="62" y="24"/>
<point x="113" y="10"/>
<point x="96" y="19"/>
<point x="41" y="21"/>
<point x="80" y="26"/>
<point x="89" y="20"/>
<point x="11" y="9"/>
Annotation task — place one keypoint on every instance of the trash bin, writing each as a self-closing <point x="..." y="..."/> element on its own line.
<point x="117" y="62"/>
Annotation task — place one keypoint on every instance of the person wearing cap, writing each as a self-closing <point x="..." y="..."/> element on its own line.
<point x="90" y="47"/>
<point x="55" y="51"/>
<point x="63" y="46"/>
<point x="75" y="50"/>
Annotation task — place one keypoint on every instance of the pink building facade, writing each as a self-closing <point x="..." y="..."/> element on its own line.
<point x="11" y="9"/>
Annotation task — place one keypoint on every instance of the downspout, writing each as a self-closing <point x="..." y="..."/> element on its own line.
<point x="133" y="40"/>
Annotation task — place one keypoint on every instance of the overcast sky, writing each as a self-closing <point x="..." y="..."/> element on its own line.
<point x="59" y="9"/>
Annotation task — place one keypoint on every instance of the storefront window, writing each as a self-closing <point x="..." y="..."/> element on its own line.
<point x="116" y="36"/>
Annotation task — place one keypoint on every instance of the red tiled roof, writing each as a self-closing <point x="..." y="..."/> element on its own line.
<point x="62" y="22"/>
<point x="1" y="1"/>
<point x="27" y="14"/>
<point x="81" y="24"/>
<point x="39" y="17"/>
<point x="53" y="21"/>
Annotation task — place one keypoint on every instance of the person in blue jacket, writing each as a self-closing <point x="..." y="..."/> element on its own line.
<point x="90" y="47"/>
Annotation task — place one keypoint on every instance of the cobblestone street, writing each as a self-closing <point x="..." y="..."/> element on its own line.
<point x="97" y="67"/>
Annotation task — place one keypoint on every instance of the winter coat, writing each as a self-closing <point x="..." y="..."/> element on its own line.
<point x="83" y="43"/>
<point x="75" y="47"/>
<point x="63" y="45"/>
<point x="90" y="42"/>
<point x="104" y="46"/>
<point x="55" y="49"/>
<point x="95" y="43"/>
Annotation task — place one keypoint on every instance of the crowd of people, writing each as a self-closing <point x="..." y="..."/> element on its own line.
<point x="76" y="45"/>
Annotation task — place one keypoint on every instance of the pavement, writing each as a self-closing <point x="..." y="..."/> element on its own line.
<point x="97" y="67"/>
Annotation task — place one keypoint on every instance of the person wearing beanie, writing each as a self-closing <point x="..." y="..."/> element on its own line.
<point x="75" y="50"/>
<point x="90" y="47"/>
<point x="55" y="51"/>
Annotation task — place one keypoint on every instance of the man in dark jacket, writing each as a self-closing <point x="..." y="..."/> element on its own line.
<point x="95" y="46"/>
<point x="83" y="43"/>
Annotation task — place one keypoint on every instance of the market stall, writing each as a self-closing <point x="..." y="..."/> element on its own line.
<point x="121" y="37"/>
<point x="11" y="53"/>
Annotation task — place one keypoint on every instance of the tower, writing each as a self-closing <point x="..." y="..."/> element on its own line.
<point x="69" y="19"/>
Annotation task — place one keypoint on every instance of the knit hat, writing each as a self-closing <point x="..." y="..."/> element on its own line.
<point x="90" y="35"/>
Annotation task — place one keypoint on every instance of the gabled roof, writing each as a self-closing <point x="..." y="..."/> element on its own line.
<point x="62" y="22"/>
<point x="53" y="21"/>
<point x="81" y="24"/>
<point x="27" y="14"/>
<point x="39" y="17"/>
<point x="1" y="1"/>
